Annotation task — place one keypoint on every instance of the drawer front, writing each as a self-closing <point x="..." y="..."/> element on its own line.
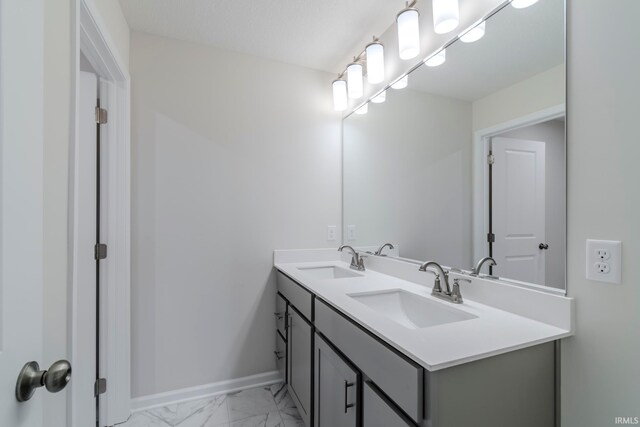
<point x="376" y="412"/>
<point x="281" y="356"/>
<point x="281" y="315"/>
<point x="297" y="296"/>
<point x="399" y="378"/>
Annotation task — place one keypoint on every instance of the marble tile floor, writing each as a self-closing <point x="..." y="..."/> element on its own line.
<point x="269" y="406"/>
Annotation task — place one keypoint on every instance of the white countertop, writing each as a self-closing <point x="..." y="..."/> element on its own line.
<point x="492" y="332"/>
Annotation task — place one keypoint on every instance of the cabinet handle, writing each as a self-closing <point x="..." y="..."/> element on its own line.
<point x="278" y="315"/>
<point x="347" y="405"/>
<point x="287" y="321"/>
<point x="278" y="353"/>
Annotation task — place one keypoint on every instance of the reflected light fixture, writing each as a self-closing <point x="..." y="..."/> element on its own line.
<point x="408" y="32"/>
<point x="446" y="15"/>
<point x="355" y="84"/>
<point x="379" y="98"/>
<point x="401" y="83"/>
<point x="363" y="110"/>
<point x="474" y="34"/>
<point x="437" y="59"/>
<point x="339" y="94"/>
<point x="375" y="62"/>
<point x="521" y="4"/>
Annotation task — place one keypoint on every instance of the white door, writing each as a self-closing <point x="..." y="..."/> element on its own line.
<point x="518" y="209"/>
<point x="21" y="206"/>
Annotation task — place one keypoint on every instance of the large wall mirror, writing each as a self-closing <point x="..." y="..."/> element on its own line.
<point x="468" y="160"/>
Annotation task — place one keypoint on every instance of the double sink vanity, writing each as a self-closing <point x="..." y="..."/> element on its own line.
<point x="375" y="348"/>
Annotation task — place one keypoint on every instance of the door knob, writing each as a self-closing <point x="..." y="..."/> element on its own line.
<point x="542" y="246"/>
<point x="31" y="377"/>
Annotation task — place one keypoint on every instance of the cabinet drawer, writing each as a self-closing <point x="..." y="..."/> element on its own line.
<point x="399" y="378"/>
<point x="376" y="412"/>
<point x="281" y="356"/>
<point x="297" y="296"/>
<point x="281" y="315"/>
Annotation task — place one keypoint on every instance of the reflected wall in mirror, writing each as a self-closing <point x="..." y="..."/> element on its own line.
<point x="469" y="160"/>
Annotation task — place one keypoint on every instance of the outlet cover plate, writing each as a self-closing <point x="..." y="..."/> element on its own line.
<point x="604" y="261"/>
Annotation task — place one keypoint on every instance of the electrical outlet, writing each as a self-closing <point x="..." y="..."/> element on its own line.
<point x="604" y="261"/>
<point x="331" y="233"/>
<point x="351" y="232"/>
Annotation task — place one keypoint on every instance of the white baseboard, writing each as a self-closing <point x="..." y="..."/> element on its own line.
<point x="203" y="391"/>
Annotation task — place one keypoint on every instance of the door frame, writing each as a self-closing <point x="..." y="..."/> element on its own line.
<point x="481" y="146"/>
<point x="90" y="37"/>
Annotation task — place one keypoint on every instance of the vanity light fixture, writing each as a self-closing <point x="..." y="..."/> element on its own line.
<point x="339" y="94"/>
<point x="375" y="62"/>
<point x="446" y="15"/>
<point x="437" y="59"/>
<point x="363" y="110"/>
<point x="408" y="31"/>
<point x="401" y="83"/>
<point x="521" y="4"/>
<point x="355" y="84"/>
<point x="474" y="34"/>
<point x="379" y="98"/>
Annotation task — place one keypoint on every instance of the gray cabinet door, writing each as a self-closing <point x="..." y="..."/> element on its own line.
<point x="299" y="360"/>
<point x="377" y="412"/>
<point x="336" y="388"/>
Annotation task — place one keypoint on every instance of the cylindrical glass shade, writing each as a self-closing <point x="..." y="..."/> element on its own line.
<point x="437" y="59"/>
<point x="363" y="110"/>
<point x="474" y="34"/>
<point x="402" y="83"/>
<point x="354" y="78"/>
<point x="339" y="95"/>
<point x="380" y="98"/>
<point x="446" y="15"/>
<point x="375" y="63"/>
<point x="521" y="4"/>
<point x="408" y="33"/>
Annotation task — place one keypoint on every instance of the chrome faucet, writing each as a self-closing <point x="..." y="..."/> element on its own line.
<point x="440" y="273"/>
<point x="356" y="259"/>
<point x="379" y="251"/>
<point x="476" y="270"/>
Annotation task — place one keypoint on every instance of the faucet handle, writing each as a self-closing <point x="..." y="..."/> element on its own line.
<point x="456" y="296"/>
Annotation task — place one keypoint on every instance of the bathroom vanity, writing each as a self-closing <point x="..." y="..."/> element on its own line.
<point x="374" y="349"/>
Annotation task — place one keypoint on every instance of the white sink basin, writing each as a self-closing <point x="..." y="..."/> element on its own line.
<point x="410" y="310"/>
<point x="329" y="272"/>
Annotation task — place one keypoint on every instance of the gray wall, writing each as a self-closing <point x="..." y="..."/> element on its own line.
<point x="600" y="365"/>
<point x="552" y="133"/>
<point x="233" y="157"/>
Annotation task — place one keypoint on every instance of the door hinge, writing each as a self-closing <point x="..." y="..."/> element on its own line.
<point x="101" y="116"/>
<point x="491" y="159"/>
<point x="491" y="238"/>
<point x="100" y="251"/>
<point x="100" y="386"/>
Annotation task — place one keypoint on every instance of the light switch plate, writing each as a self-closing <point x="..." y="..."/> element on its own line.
<point x="331" y="233"/>
<point x="604" y="261"/>
<point x="351" y="232"/>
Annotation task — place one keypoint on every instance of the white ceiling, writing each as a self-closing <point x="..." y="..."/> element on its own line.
<point x="310" y="33"/>
<point x="518" y="44"/>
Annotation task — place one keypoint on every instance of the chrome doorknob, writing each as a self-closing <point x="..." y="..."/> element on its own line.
<point x="542" y="246"/>
<point x="31" y="377"/>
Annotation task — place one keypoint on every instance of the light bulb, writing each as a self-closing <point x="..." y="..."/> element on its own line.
<point x="437" y="59"/>
<point x="339" y="95"/>
<point x="375" y="62"/>
<point x="379" y="98"/>
<point x="402" y="83"/>
<point x="446" y="15"/>
<point x="408" y="33"/>
<point x="363" y="110"/>
<point x="354" y="78"/>
<point x="474" y="34"/>
<point x="521" y="4"/>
